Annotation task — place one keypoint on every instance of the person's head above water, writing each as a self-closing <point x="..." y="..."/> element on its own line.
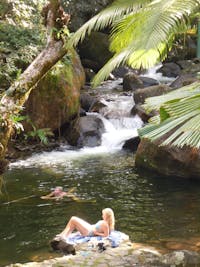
<point x="58" y="189"/>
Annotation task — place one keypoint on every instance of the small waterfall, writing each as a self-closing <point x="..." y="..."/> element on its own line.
<point x="118" y="131"/>
<point x="152" y="73"/>
<point x="118" y="122"/>
<point x="119" y="127"/>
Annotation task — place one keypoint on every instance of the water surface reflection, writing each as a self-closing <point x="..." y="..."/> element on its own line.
<point x="146" y="208"/>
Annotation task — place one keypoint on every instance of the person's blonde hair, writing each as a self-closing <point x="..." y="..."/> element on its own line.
<point x="110" y="218"/>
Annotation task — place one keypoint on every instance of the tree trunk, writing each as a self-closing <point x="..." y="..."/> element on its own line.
<point x="14" y="98"/>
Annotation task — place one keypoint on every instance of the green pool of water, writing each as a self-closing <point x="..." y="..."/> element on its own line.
<point x="146" y="208"/>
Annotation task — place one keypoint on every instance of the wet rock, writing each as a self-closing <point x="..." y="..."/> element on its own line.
<point x="140" y="95"/>
<point x="168" y="161"/>
<point x="121" y="71"/>
<point x="141" y="112"/>
<point x="96" y="48"/>
<point x="97" y="106"/>
<point x="86" y="101"/>
<point x="147" y="81"/>
<point x="91" y="129"/>
<point x="82" y="112"/>
<point x="170" y="70"/>
<point x="182" y="80"/>
<point x="132" y="81"/>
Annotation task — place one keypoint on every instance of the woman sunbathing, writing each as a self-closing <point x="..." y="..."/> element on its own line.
<point x="101" y="228"/>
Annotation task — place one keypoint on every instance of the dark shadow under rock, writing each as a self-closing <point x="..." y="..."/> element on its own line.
<point x="131" y="144"/>
<point x="86" y="101"/>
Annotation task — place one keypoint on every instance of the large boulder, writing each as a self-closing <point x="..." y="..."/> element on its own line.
<point x="55" y="100"/>
<point x="91" y="130"/>
<point x="191" y="66"/>
<point x="167" y="160"/>
<point x="95" y="49"/>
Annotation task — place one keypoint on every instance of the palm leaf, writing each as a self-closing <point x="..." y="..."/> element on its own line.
<point x="107" y="17"/>
<point x="166" y="126"/>
<point x="191" y="90"/>
<point x="181" y="114"/>
<point x="157" y="22"/>
<point x="187" y="134"/>
<point x="113" y="63"/>
<point x="141" y="30"/>
<point x="183" y="106"/>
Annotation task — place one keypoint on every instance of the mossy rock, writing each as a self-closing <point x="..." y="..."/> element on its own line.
<point x="56" y="98"/>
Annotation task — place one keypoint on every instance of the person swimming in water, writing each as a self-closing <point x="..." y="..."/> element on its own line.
<point x="58" y="193"/>
<point x="101" y="228"/>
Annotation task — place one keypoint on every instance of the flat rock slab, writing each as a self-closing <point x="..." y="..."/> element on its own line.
<point x="126" y="255"/>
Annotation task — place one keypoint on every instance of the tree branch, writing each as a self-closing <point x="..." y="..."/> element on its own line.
<point x="14" y="98"/>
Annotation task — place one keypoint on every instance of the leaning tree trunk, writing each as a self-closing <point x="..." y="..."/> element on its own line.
<point x="14" y="98"/>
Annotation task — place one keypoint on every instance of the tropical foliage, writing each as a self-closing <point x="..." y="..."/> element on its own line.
<point x="21" y="37"/>
<point x="179" y="115"/>
<point x="142" y="31"/>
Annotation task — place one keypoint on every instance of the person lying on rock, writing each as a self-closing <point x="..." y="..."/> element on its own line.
<point x="101" y="228"/>
<point x="58" y="193"/>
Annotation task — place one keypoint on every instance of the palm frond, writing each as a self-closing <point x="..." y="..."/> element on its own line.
<point x="166" y="126"/>
<point x="156" y="22"/>
<point x="179" y="113"/>
<point x="106" y="17"/>
<point x="144" y="36"/>
<point x="113" y="63"/>
<point x="187" y="134"/>
<point x="183" y="106"/>
<point x="191" y="90"/>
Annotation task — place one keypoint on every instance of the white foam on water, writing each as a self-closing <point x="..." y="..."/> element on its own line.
<point x="152" y="73"/>
<point x="120" y="127"/>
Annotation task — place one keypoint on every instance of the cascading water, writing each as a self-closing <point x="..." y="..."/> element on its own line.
<point x="118" y="123"/>
<point x="119" y="127"/>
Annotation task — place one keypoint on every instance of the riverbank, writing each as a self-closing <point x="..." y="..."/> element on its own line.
<point x="127" y="255"/>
